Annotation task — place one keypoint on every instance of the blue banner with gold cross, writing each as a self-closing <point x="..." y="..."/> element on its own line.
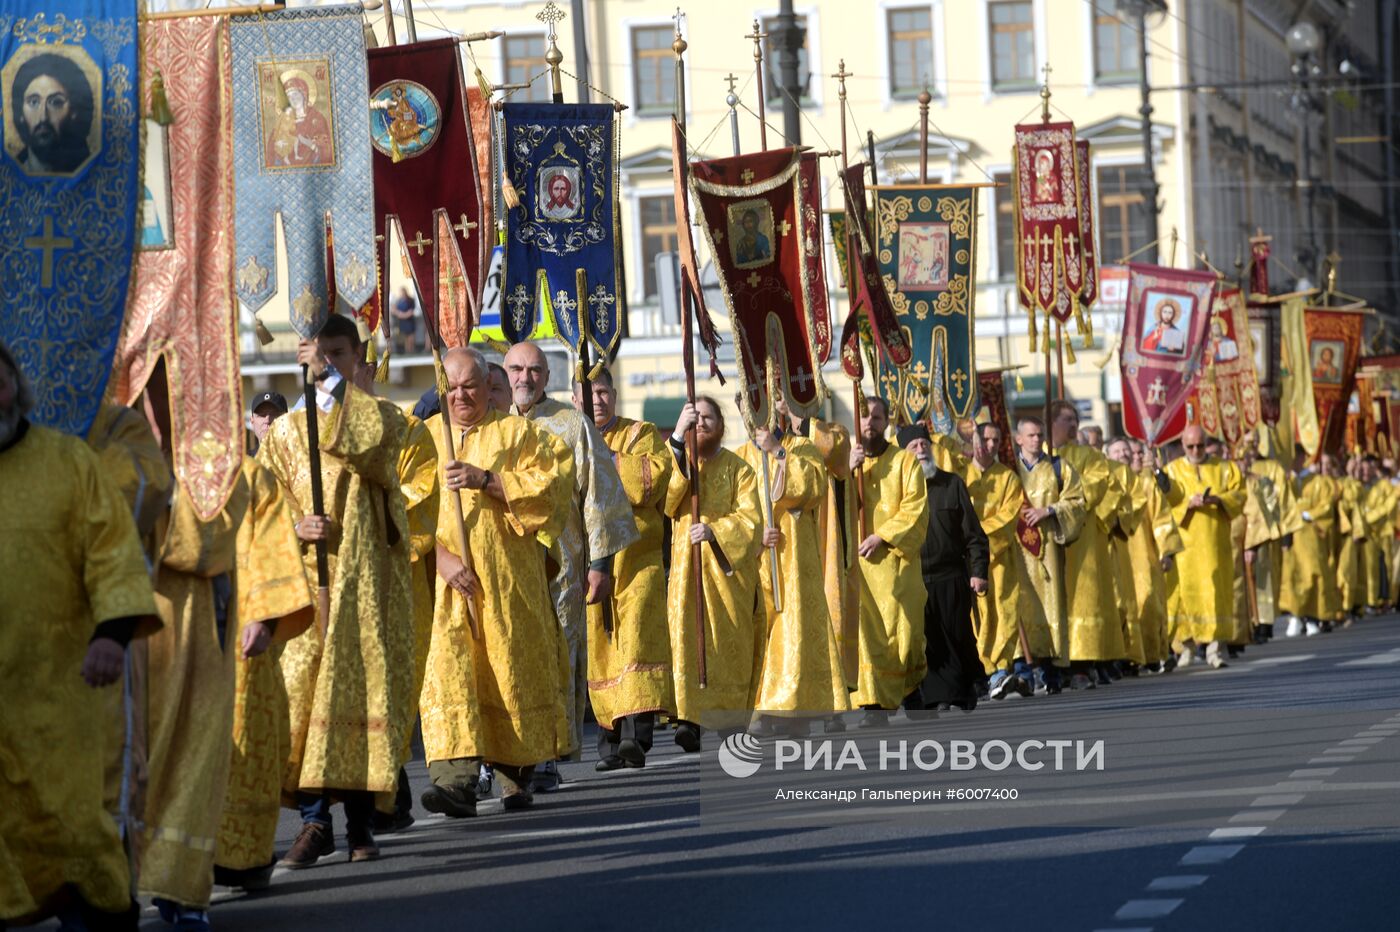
<point x="561" y="159"/>
<point x="68" y="186"/>
<point x="925" y="240"/>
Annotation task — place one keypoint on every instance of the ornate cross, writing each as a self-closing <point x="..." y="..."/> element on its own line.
<point x="419" y="242"/>
<point x="49" y="244"/>
<point x="747" y="176"/>
<point x="732" y="81"/>
<point x="464" y="226"/>
<point x="1073" y="248"/>
<point x="959" y="378"/>
<point x="801" y="378"/>
<point x="1157" y="393"/>
<point x="550" y="15"/>
<point x="785" y="228"/>
<point x="753" y="279"/>
<point x="452" y="281"/>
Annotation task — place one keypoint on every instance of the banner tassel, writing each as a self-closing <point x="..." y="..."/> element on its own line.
<point x="1069" y="348"/>
<point x="381" y="371"/>
<point x="1020" y="384"/>
<point x="264" y="334"/>
<point x="160" y="112"/>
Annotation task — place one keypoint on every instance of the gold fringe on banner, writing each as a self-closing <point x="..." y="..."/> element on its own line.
<point x="160" y="113"/>
<point x="381" y="371"/>
<point x="1020" y="383"/>
<point x="1030" y="317"/>
<point x="260" y="328"/>
<point x="1069" y="347"/>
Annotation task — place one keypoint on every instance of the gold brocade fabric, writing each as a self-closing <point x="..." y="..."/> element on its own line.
<point x="1309" y="584"/>
<point x="499" y="697"/>
<point x="1144" y="551"/>
<point x="1046" y="573"/>
<point x="1378" y="511"/>
<point x="349" y="691"/>
<point x="269" y="584"/>
<point x="1202" y="606"/>
<point x="1095" y="631"/>
<point x="1351" y="579"/>
<point x="892" y="658"/>
<point x="418" y="481"/>
<point x="836" y="531"/>
<point x="67" y="534"/>
<point x="798" y="663"/>
<point x="1122" y="526"/>
<point x="729" y="506"/>
<point x="629" y="668"/>
<point x="1010" y="601"/>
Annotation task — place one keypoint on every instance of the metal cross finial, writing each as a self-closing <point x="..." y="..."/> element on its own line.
<point x="677" y="18"/>
<point x="1045" y="93"/>
<point x="550" y="15"/>
<point x="841" y="75"/>
<point x="732" y="81"/>
<point x="757" y="36"/>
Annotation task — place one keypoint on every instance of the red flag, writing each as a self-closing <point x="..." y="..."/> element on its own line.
<point x="1049" y="240"/>
<point x="1164" y="338"/>
<point x="1228" y="396"/>
<point x="1087" y="239"/>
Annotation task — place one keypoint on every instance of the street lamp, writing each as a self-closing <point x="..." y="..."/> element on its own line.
<point x="1305" y="103"/>
<point x="1139" y="11"/>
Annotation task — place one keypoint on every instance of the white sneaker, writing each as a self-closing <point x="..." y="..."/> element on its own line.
<point x="1295" y="627"/>
<point x="1313" y="628"/>
<point x="1186" y="657"/>
<point x="1213" y="657"/>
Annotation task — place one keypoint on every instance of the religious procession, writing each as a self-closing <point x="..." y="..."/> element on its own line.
<point x="221" y="605"/>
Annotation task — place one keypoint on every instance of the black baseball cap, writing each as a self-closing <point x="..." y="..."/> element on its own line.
<point x="273" y="398"/>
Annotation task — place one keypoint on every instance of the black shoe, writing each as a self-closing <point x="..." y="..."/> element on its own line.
<point x="250" y="879"/>
<point x="611" y="762"/>
<point x="546" y="778"/>
<point x="515" y="802"/>
<point x="455" y="802"/>
<point x="688" y="737"/>
<point x="874" y="718"/>
<point x="631" y="753"/>
<point x="392" y="823"/>
<point x="834" y="726"/>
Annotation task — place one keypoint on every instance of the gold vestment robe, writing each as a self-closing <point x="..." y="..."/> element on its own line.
<point x="728" y="570"/>
<point x="1060" y="489"/>
<point x="1272" y="513"/>
<point x="1351" y="579"/>
<point x="892" y="597"/>
<point x="1309" y="585"/>
<point x="1010" y="602"/>
<point x="1154" y="539"/>
<point x="1378" y="511"/>
<point x="498" y="697"/>
<point x="350" y="688"/>
<point x="1095" y="628"/>
<point x="836" y="531"/>
<point x="1202" y="607"/>
<point x="418" y="481"/>
<point x="798" y="659"/>
<point x="70" y="559"/>
<point x="629" y="668"/>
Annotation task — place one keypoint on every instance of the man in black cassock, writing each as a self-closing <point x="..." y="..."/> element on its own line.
<point x="954" y="560"/>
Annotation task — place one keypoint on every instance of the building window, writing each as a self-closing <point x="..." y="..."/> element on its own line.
<point x="1006" y="226"/>
<point x="1115" y="46"/>
<point x="911" y="50"/>
<point x="772" y="87"/>
<point x="1122" y="211"/>
<point x="653" y="69"/>
<point x="524" y="59"/>
<point x="658" y="222"/>
<point x="1013" y="44"/>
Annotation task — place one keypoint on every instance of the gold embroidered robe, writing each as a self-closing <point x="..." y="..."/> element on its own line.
<point x="1309" y="585"/>
<point x="1202" y="607"/>
<point x="1095" y="629"/>
<point x="1046" y="573"/>
<point x="836" y="531"/>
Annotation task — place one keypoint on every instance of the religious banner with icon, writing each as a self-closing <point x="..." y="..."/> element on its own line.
<point x="1362" y="435"/>
<point x="1333" y="348"/>
<point x="925" y="244"/>
<point x="868" y="295"/>
<point x="561" y="160"/>
<point x="69" y="185"/>
<point x="1088" y="242"/>
<point x="1164" y="339"/>
<point x="1227" y="396"/>
<point x="301" y="149"/>
<point x="181" y="307"/>
<point x="1050" y="241"/>
<point x="426" y="185"/>
<point x="757" y="211"/>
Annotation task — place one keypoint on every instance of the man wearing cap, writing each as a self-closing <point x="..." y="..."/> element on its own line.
<point x="267" y="408"/>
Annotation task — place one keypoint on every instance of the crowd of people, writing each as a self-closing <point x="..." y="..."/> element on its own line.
<point x="491" y="572"/>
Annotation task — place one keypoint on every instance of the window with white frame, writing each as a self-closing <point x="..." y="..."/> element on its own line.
<point x="653" y="69"/>
<point x="524" y="59"/>
<point x="909" y="33"/>
<point x="1011" y="24"/>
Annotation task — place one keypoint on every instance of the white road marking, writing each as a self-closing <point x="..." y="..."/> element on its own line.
<point x="1236" y="831"/>
<point x="1374" y="660"/>
<point x="1257" y="815"/>
<point x="1147" y="909"/>
<point x="1360" y="741"/>
<point x="1177" y="882"/>
<point x="597" y="829"/>
<point x="1210" y="854"/>
<point x="1296" y="658"/>
<point x="1287" y="799"/>
<point x="1333" y="759"/>
<point x="1314" y="772"/>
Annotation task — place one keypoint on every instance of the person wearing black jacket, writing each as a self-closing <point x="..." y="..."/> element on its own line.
<point x="954" y="560"/>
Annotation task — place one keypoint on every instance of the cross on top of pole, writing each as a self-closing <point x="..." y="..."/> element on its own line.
<point x="1045" y="93"/>
<point x="841" y="75"/>
<point x="757" y="36"/>
<point x="550" y="15"/>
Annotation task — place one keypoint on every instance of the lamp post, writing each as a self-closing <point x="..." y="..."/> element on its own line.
<point x="1304" y="42"/>
<point x="1138" y="11"/>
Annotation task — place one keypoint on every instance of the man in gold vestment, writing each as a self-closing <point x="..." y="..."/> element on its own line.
<point x="66" y="532"/>
<point x="1153" y="548"/>
<point x="1273" y="519"/>
<point x="598" y="524"/>
<point x="893" y="521"/>
<point x="1309" y="594"/>
<point x="836" y="529"/>
<point x="1122" y="528"/>
<point x="349" y="686"/>
<point x="1378" y="508"/>
<point x="1206" y="495"/>
<point x="492" y="690"/>
<point x="1095" y="631"/>
<point x="629" y="645"/>
<point x="799" y="667"/>
<point x="728" y="535"/>
<point x="1351" y="522"/>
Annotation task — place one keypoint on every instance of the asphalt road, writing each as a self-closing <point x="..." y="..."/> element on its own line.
<point x="1279" y="850"/>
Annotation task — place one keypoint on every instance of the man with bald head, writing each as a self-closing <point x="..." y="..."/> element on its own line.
<point x="491" y="691"/>
<point x="598" y="524"/>
<point x="1207" y="494"/>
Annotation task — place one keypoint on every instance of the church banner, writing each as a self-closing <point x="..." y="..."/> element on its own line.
<point x="1088" y="242"/>
<point x="561" y="161"/>
<point x="991" y="388"/>
<point x="925" y="243"/>
<point x="182" y="307"/>
<point x="302" y="150"/>
<point x="1164" y="338"/>
<point x="837" y="219"/>
<point x="1050" y="242"/>
<point x="69" y="181"/>
<point x="1227" y="397"/>
<point x="688" y="261"/>
<point x="756" y="211"/>
<point x="1362" y="431"/>
<point x="426" y="184"/>
<point x="867" y="292"/>
<point x="1333" y="348"/>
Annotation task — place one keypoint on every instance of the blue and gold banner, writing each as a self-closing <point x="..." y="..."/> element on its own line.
<point x="561" y="160"/>
<point x="68" y="186"/>
<point x="926" y="246"/>
<point x="301" y="148"/>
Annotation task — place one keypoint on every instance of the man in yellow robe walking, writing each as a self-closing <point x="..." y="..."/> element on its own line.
<point x="893" y="521"/>
<point x="1309" y="593"/>
<point x="68" y="534"/>
<point x="492" y="690"/>
<point x="629" y="645"/>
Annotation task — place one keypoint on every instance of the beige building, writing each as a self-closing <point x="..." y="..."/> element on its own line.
<point x="982" y="61"/>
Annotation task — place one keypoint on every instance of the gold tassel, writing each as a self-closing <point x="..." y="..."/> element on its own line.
<point x="370" y="355"/>
<point x="1020" y="383"/>
<point x="264" y="334"/>
<point x="160" y="113"/>
<point x="1030" y="316"/>
<point x="1045" y="340"/>
<point x="381" y="371"/>
<point x="508" y="192"/>
<point x="283" y="104"/>
<point x="1069" y="348"/>
<point x="486" y="89"/>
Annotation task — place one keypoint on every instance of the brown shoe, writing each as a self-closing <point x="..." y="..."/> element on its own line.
<point x="314" y="842"/>
<point x="362" y="847"/>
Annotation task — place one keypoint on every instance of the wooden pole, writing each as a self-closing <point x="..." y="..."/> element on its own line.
<point x="318" y="500"/>
<point x="758" y="36"/>
<point x="870" y="149"/>
<point x="450" y="443"/>
<point x="772" y="551"/>
<point x="692" y="447"/>
<point x="852" y="257"/>
<point x="389" y="24"/>
<point x="924" y="99"/>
